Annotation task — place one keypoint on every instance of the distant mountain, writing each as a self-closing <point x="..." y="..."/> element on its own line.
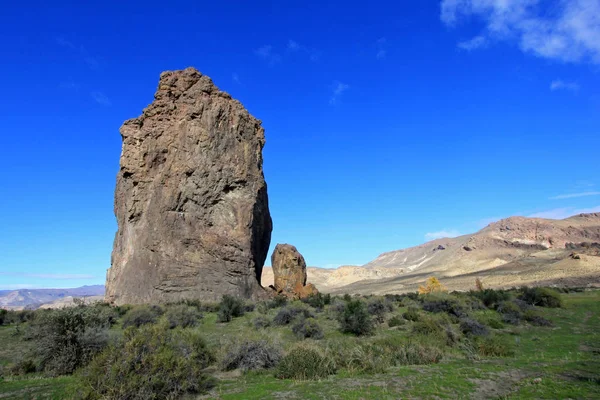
<point x="511" y="252"/>
<point x="34" y="298"/>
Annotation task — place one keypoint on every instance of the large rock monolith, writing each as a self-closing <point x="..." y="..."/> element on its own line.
<point x="191" y="198"/>
<point x="289" y="272"/>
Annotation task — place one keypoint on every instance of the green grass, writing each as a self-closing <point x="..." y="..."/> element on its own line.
<point x="549" y="362"/>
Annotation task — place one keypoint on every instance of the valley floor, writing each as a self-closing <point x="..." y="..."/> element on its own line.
<point x="549" y="363"/>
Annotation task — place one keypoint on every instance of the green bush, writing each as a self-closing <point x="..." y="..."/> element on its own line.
<point x="183" y="315"/>
<point x="490" y="318"/>
<point x="494" y="346"/>
<point x="152" y="362"/>
<point x="308" y="328"/>
<point x="3" y="314"/>
<point x="355" y="319"/>
<point x="470" y="326"/>
<point x="511" y="312"/>
<point x="251" y="355"/>
<point x="490" y="297"/>
<point x="141" y="315"/>
<point x="305" y="363"/>
<point x="229" y="308"/>
<point x="412" y="314"/>
<point x="67" y="339"/>
<point x="261" y="322"/>
<point x="287" y="314"/>
<point x="428" y="326"/>
<point x="541" y="297"/>
<point x="409" y="352"/>
<point x="446" y="304"/>
<point x="395" y="321"/>
<point x="535" y="319"/>
<point x="378" y="307"/>
<point x="22" y="367"/>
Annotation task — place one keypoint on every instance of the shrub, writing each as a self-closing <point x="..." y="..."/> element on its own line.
<point x="67" y="339"/>
<point x="22" y="367"/>
<point x="491" y="319"/>
<point x="490" y="297"/>
<point x="395" y="321"/>
<point x="183" y="315"/>
<point x="402" y="352"/>
<point x="429" y="327"/>
<point x="141" y="315"/>
<point x="472" y="327"/>
<point x="3" y="314"/>
<point x="535" y="319"/>
<point x="251" y="355"/>
<point x="287" y="314"/>
<point x="355" y="319"/>
<point x="229" y="308"/>
<point x="479" y="284"/>
<point x="378" y="307"/>
<point x="541" y="297"/>
<point x="494" y="346"/>
<point x="412" y="314"/>
<point x="305" y="363"/>
<point x="511" y="312"/>
<point x="447" y="305"/>
<point x="432" y="285"/>
<point x="261" y="322"/>
<point x="152" y="362"/>
<point x="318" y="300"/>
<point x="308" y="328"/>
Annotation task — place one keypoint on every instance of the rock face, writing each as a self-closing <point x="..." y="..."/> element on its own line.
<point x="289" y="271"/>
<point x="191" y="199"/>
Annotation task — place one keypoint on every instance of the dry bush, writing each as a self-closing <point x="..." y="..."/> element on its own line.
<point x="432" y="285"/>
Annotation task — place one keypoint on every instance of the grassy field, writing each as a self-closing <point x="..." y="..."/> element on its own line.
<point x="558" y="362"/>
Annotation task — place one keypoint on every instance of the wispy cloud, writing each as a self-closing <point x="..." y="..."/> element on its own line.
<point x="564" y="212"/>
<point x="70" y="85"/>
<point x="568" y="31"/>
<point x="562" y="85"/>
<point x="236" y="78"/>
<point x="83" y="54"/>
<point x="266" y="53"/>
<point x="381" y="46"/>
<point x="573" y="195"/>
<point x="338" y="89"/>
<point x="473" y="44"/>
<point x="295" y="47"/>
<point x="48" y="276"/>
<point x="101" y="98"/>
<point x="18" y="286"/>
<point x="450" y="233"/>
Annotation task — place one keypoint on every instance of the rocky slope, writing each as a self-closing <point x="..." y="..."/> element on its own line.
<point x="35" y="298"/>
<point x="512" y="251"/>
<point x="191" y="198"/>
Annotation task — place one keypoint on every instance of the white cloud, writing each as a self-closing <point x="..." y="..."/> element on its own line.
<point x="569" y="31"/>
<point x="236" y="78"/>
<point x="101" y="98"/>
<point x="450" y="233"/>
<point x="564" y="212"/>
<point x="562" y="85"/>
<point x="338" y="89"/>
<point x="266" y="53"/>
<point x="473" y="44"/>
<point x="573" y="195"/>
<point x="295" y="47"/>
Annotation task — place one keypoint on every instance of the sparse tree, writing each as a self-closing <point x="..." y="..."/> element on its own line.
<point x="432" y="285"/>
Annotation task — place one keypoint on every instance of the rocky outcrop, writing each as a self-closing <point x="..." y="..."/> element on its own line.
<point x="191" y="199"/>
<point x="289" y="271"/>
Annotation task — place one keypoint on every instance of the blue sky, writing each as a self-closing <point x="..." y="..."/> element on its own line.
<point x="387" y="123"/>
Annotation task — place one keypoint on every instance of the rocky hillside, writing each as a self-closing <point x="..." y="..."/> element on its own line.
<point x="512" y="251"/>
<point x="35" y="298"/>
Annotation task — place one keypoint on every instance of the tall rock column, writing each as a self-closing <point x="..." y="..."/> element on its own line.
<point x="191" y="199"/>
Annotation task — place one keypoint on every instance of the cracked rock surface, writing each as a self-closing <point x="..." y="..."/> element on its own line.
<point x="191" y="199"/>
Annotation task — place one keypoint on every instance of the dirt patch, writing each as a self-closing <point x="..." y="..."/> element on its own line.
<point x="500" y="384"/>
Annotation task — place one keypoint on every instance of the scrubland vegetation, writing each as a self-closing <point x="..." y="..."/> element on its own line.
<point x="521" y="343"/>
